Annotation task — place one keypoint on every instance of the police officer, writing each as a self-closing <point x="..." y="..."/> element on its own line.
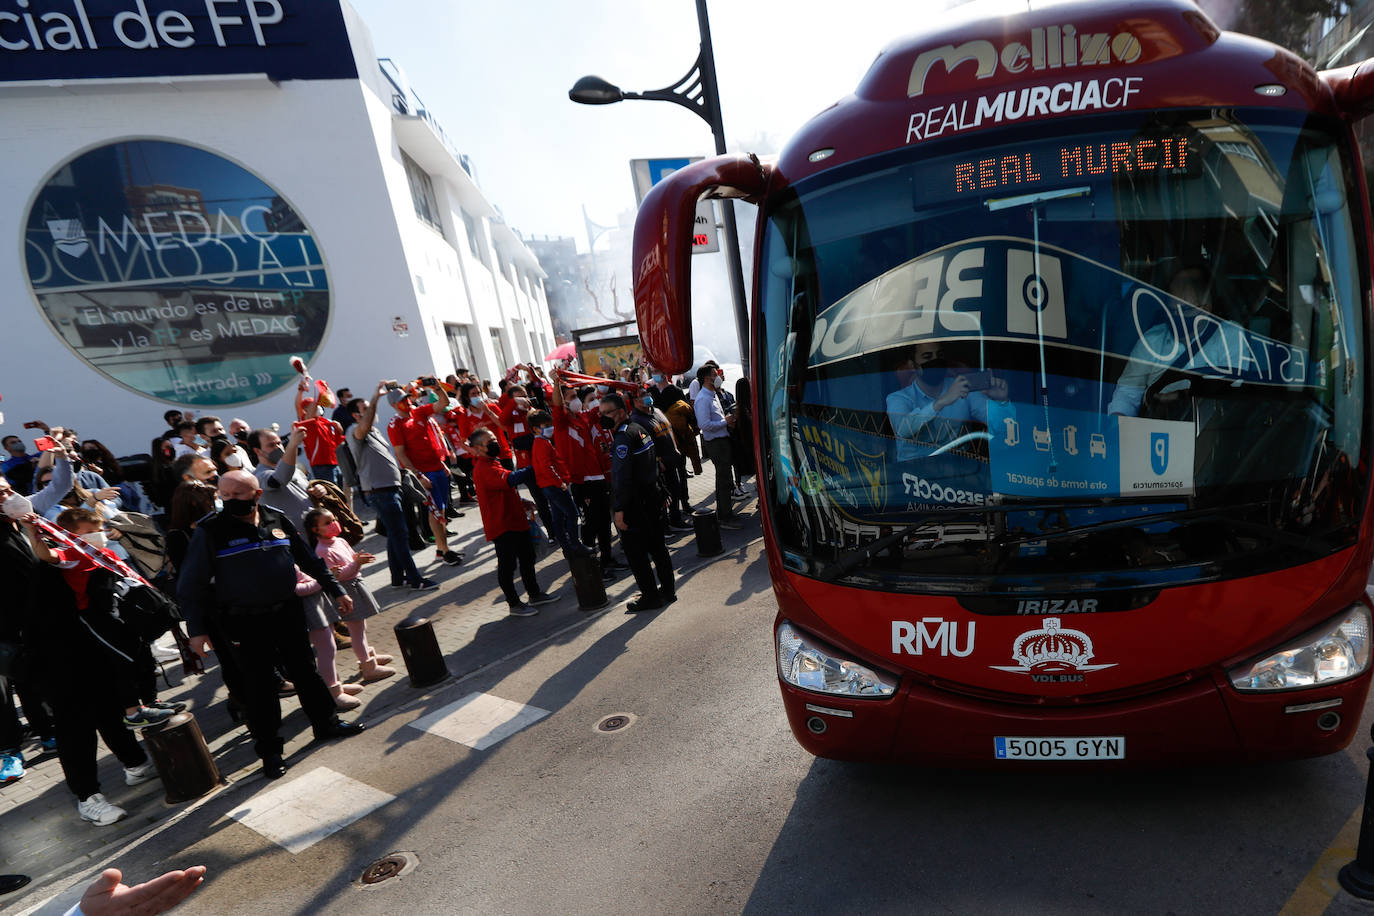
<point x="634" y="485"/>
<point x="240" y="567"/>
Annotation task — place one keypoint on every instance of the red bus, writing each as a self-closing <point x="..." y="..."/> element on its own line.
<point x="1060" y="327"/>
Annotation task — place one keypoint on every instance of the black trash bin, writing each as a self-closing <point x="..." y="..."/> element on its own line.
<point x="420" y="651"/>
<point x="707" y="528"/>
<point x="182" y="758"/>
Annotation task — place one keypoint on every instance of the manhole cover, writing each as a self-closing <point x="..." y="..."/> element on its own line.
<point x="392" y="866"/>
<point x="615" y="722"/>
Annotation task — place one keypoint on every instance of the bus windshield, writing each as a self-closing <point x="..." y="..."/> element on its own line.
<point x="1131" y="354"/>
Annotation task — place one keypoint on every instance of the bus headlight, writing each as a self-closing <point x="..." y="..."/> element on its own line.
<point x="811" y="665"/>
<point x="1336" y="651"/>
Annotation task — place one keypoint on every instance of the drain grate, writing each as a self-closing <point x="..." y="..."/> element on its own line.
<point x="615" y="722"/>
<point x="387" y="867"/>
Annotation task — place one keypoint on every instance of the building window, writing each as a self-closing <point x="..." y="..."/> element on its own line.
<point x="422" y="193"/>
<point x="460" y="346"/>
<point x="498" y="347"/>
<point x="474" y="230"/>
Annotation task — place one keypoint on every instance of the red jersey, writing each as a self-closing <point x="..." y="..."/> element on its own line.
<point x="76" y="569"/>
<point x="421" y="437"/>
<point x="322" y="440"/>
<point x="499" y="503"/>
<point x="576" y="443"/>
<point x="549" y="468"/>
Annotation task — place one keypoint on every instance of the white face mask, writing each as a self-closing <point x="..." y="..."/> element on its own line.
<point x="219" y="503"/>
<point x="18" y="506"/>
<point x="95" y="538"/>
<point x="593" y="404"/>
<point x="575" y="404"/>
<point x="232" y="460"/>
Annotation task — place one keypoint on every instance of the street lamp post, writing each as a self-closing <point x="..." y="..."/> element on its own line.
<point x="697" y="91"/>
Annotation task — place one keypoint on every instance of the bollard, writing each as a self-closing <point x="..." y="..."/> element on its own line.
<point x="182" y="758"/>
<point x="586" y="576"/>
<point x="707" y="529"/>
<point x="1357" y="877"/>
<point x="420" y="651"/>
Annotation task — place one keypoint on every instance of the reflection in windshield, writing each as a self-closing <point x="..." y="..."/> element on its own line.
<point x="1150" y="334"/>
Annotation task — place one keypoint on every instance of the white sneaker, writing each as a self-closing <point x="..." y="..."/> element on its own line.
<point x="165" y="653"/>
<point x="98" y="810"/>
<point x="141" y="773"/>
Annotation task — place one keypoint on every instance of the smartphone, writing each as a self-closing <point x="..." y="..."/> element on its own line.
<point x="45" y="443"/>
<point x="978" y="381"/>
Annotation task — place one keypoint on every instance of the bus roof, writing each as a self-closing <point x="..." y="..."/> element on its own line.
<point x="1056" y="61"/>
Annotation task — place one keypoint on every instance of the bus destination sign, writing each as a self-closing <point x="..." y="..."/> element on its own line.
<point x="1167" y="154"/>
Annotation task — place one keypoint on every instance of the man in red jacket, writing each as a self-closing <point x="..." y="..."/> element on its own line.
<point x="553" y="479"/>
<point x="505" y="523"/>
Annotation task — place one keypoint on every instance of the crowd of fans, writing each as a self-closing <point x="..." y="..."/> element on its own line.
<point x="248" y="535"/>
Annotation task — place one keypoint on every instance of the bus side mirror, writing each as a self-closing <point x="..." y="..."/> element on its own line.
<point x="1353" y="89"/>
<point x="662" y="260"/>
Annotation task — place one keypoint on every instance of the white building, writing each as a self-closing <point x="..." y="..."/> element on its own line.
<point x="194" y="197"/>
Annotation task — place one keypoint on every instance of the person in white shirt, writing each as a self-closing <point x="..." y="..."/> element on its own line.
<point x="935" y="394"/>
<point x="715" y="429"/>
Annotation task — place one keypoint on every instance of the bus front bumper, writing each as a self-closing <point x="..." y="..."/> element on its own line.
<point x="1198" y="722"/>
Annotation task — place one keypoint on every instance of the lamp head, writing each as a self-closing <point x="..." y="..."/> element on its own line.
<point x="593" y="90"/>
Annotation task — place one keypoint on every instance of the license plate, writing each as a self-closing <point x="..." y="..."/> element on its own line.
<point x="1102" y="748"/>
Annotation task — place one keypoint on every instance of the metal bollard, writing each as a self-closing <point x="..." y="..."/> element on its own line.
<point x="182" y="758"/>
<point x="1357" y="877"/>
<point x="420" y="651"/>
<point x="586" y="576"/>
<point x="707" y="528"/>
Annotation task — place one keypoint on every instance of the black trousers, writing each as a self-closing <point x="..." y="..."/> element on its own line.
<point x="541" y="505"/>
<point x="31" y="697"/>
<point x="83" y="705"/>
<point x="10" y="733"/>
<point x="466" y="488"/>
<point x="257" y="642"/>
<point x="515" y="548"/>
<point x="646" y="553"/>
<point x="594" y="496"/>
<point x="680" y="508"/>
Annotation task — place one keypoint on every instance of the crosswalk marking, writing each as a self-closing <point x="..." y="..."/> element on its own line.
<point x="299" y="812"/>
<point x="479" y="720"/>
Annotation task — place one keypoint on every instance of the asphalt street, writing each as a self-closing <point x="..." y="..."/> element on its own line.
<point x="703" y="803"/>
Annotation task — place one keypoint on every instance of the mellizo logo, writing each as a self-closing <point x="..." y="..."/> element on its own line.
<point x="1052" y="654"/>
<point x="1159" y="453"/>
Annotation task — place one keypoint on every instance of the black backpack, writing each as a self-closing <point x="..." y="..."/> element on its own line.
<point x="146" y="610"/>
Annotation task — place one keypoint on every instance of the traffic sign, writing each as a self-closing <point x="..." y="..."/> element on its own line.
<point x="649" y="172"/>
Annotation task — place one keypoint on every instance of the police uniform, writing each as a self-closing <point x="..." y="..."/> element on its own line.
<point x="634" y="481"/>
<point x="243" y="576"/>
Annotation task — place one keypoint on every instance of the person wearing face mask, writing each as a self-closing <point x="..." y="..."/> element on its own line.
<point x="672" y="467"/>
<point x="186" y="441"/>
<point x="505" y="523"/>
<point x="637" y="506"/>
<point x="285" y="486"/>
<point x="585" y="449"/>
<point x="418" y="441"/>
<point x="935" y="393"/>
<point x="552" y="477"/>
<point x="379" y="478"/>
<point x="715" y="429"/>
<point x="241" y="567"/>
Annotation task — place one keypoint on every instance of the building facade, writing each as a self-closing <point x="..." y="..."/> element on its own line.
<point x="197" y="191"/>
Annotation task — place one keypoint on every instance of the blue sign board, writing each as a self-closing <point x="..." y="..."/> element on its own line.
<point x="112" y="39"/>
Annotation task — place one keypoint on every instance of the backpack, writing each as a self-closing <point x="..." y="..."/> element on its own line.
<point x="146" y="610"/>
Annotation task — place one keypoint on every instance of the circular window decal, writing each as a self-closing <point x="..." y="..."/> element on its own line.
<point x="176" y="273"/>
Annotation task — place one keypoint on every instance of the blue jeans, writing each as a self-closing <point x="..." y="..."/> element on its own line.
<point x="329" y="472"/>
<point x="387" y="504"/>
<point x="563" y="514"/>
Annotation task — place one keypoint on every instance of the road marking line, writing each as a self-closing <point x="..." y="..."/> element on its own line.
<point x="479" y="720"/>
<point x="1320" y="887"/>
<point x="299" y="813"/>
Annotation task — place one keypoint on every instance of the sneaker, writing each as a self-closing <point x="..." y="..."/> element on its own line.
<point x="48" y="744"/>
<point x="545" y="598"/>
<point x="165" y="653"/>
<point x="425" y="585"/>
<point x="523" y="610"/>
<point x="286" y="689"/>
<point x="451" y="557"/>
<point x="730" y="524"/>
<point x="171" y="707"/>
<point x="146" y="717"/>
<point x="11" y="767"/>
<point x="100" y="812"/>
<point x="139" y="774"/>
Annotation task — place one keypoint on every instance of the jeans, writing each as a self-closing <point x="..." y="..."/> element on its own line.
<point x="329" y="472"/>
<point x="387" y="504"/>
<point x="564" y="517"/>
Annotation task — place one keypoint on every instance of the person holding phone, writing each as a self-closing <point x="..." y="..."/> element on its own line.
<point x="935" y="393"/>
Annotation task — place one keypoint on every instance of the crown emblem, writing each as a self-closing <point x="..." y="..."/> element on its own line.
<point x="1052" y="649"/>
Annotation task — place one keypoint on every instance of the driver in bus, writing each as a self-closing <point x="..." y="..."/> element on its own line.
<point x="1193" y="285"/>
<point x="935" y="393"/>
